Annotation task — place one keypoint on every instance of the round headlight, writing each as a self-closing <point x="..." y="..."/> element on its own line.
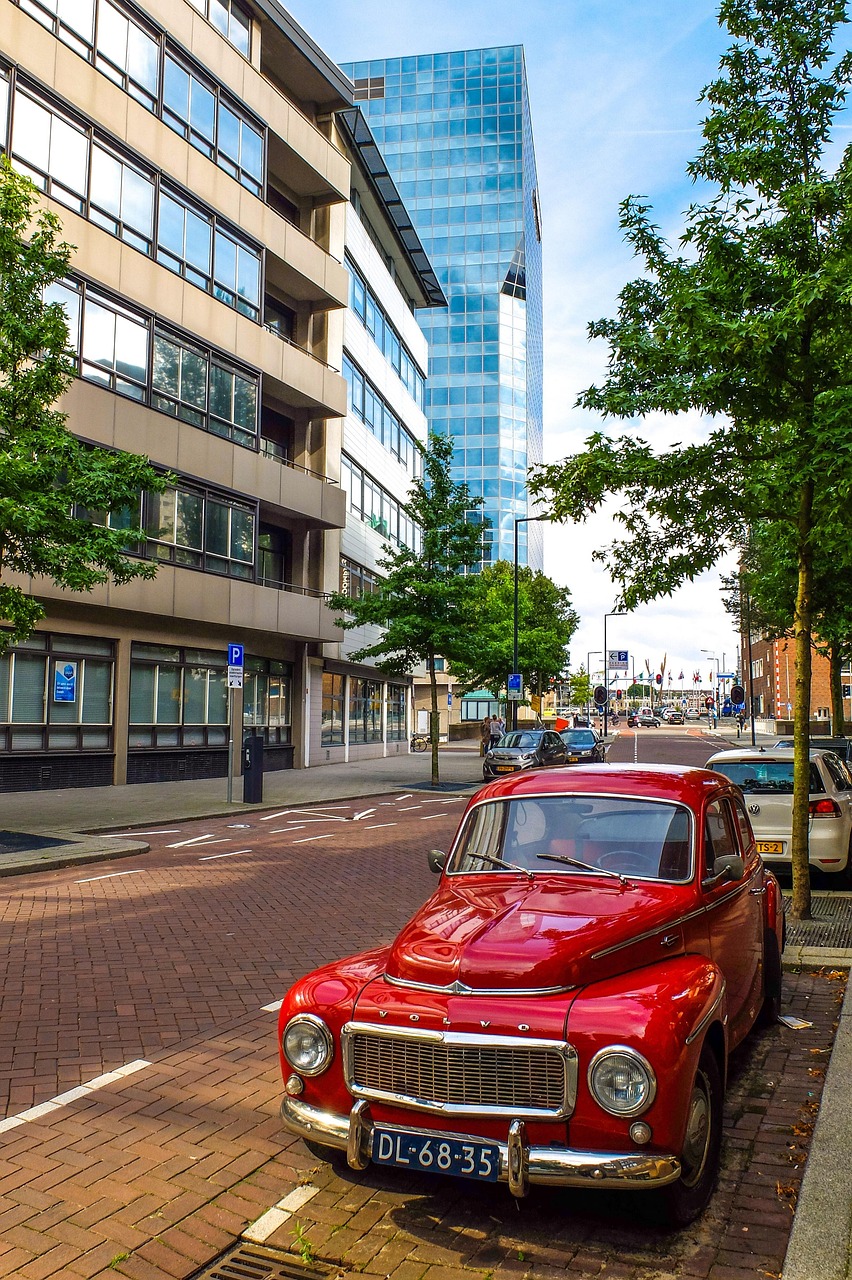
<point x="307" y="1044"/>
<point x="621" y="1081"/>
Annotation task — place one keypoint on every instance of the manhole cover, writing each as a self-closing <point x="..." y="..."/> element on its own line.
<point x="21" y="841"/>
<point x="831" y="925"/>
<point x="256" y="1262"/>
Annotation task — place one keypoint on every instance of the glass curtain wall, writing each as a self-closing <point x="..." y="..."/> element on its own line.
<point x="456" y="133"/>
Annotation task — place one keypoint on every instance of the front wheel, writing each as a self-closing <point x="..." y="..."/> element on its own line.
<point x="686" y="1198"/>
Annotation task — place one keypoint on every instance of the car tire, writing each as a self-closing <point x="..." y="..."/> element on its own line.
<point x="685" y="1199"/>
<point x="773" y="981"/>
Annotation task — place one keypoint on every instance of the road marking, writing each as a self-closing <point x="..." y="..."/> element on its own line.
<point x="285" y="831"/>
<point x="82" y="1091"/>
<point x="112" y="876"/>
<point x="376" y="826"/>
<point x="325" y="808"/>
<point x="119" y="835"/>
<point x="272" y="1008"/>
<point x="407" y="796"/>
<point x="430" y="816"/>
<point x="409" y="808"/>
<point x="181" y="844"/>
<point x="263" y="1227"/>
<point x="308" y="839"/>
<point x="211" y="857"/>
<point x="365" y="813"/>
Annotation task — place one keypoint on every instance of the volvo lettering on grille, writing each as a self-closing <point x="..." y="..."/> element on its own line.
<point x="460" y="1078"/>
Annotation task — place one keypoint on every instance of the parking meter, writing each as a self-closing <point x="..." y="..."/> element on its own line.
<point x="252" y="768"/>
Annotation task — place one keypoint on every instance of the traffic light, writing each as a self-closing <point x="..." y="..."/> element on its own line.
<point x="658" y="677"/>
<point x="618" y="694"/>
<point x="846" y="690"/>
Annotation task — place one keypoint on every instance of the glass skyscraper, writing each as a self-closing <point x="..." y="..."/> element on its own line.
<point x="456" y="135"/>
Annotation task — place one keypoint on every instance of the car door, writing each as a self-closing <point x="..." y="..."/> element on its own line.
<point x="734" y="913"/>
<point x="555" y="752"/>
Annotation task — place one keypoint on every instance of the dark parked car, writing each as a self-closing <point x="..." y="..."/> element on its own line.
<point x="647" y="720"/>
<point x="674" y="717"/>
<point x="524" y="749"/>
<point x="584" y="746"/>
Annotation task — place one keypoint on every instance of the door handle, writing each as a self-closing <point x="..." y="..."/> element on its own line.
<point x="758" y="893"/>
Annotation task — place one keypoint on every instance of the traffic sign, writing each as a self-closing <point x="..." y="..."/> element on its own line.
<point x="513" y="686"/>
<point x="618" y="659"/>
<point x="236" y="662"/>
<point x="600" y="695"/>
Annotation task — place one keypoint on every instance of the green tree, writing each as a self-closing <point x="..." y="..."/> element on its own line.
<point x="546" y="623"/>
<point x="749" y="321"/>
<point x="49" y="480"/>
<point x="581" y="687"/>
<point x="426" y="602"/>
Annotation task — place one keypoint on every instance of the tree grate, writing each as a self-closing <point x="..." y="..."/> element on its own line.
<point x="830" y="927"/>
<point x="245" y="1261"/>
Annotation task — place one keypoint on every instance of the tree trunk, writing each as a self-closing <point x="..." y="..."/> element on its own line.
<point x="838" y="724"/>
<point x="433" y="720"/>
<point x="801" y="904"/>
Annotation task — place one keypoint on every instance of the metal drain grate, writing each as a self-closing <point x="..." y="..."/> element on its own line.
<point x="830" y="927"/>
<point x="256" y="1262"/>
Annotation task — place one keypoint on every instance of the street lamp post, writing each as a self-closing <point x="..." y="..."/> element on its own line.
<point x="518" y="521"/>
<point x="614" y="614"/>
<point x="713" y="658"/>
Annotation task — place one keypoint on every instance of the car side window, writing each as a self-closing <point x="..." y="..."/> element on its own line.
<point x="838" y="774"/>
<point x="744" y="827"/>
<point x="718" y="834"/>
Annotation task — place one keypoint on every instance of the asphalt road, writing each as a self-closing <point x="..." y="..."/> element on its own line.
<point x="140" y="1081"/>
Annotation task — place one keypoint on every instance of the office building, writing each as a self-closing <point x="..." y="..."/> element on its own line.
<point x="384" y="363"/>
<point x="456" y="134"/>
<point x="190" y="152"/>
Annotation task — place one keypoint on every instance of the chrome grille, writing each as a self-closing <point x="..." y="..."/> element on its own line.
<point x="459" y="1077"/>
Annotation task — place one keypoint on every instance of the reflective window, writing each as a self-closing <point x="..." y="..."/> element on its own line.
<point x="376" y="507"/>
<point x="71" y="20"/>
<point x="128" y="54"/>
<point x="236" y="274"/>
<point x="369" y="311"/>
<point x="369" y="406"/>
<point x="115" y="347"/>
<point x="184" y="240"/>
<point x="50" y="150"/>
<point x="332" y="709"/>
<point x="121" y="199"/>
<point x="227" y="17"/>
<point x="189" y="106"/>
<point x="233" y="403"/>
<point x="179" y="379"/>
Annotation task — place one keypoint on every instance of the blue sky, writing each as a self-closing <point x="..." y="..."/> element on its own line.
<point x="613" y="87"/>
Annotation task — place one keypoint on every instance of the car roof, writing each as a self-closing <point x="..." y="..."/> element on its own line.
<point x="764" y="753"/>
<point x="646" y="781"/>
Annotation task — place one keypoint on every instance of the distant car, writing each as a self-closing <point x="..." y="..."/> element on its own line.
<point x="692" y="713"/>
<point x="524" y="749"/>
<point x="561" y="1010"/>
<point x="581" y="722"/>
<point x="584" y="746"/>
<point x="765" y="777"/>
<point x="647" y="720"/>
<point x="674" y="717"/>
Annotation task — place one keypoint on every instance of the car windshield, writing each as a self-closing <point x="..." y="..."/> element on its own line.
<point x="524" y="739"/>
<point x="578" y="737"/>
<point x="643" y="839"/>
<point x="762" y="776"/>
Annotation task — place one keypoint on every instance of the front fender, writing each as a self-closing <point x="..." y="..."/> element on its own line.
<point x="665" y="1011"/>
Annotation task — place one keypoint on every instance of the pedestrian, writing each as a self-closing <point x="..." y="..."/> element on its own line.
<point x="740" y="721"/>
<point x="496" y="733"/>
<point x="484" y="735"/>
<point x="502" y="723"/>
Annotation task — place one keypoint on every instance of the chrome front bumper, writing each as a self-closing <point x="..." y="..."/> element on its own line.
<point x="520" y="1164"/>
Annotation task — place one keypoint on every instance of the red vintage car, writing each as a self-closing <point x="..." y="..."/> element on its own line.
<point x="562" y="1009"/>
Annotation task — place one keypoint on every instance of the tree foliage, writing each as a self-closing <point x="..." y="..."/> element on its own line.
<point x="546" y="623"/>
<point x="49" y="480"/>
<point x="426" y="601"/>
<point x="748" y="322"/>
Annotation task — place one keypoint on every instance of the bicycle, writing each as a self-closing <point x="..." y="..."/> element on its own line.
<point x="420" y="742"/>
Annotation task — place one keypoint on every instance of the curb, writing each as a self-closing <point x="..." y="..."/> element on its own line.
<point x="821" y="1238"/>
<point x="83" y="849"/>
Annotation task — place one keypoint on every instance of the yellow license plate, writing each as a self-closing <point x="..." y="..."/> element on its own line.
<point x="770" y="846"/>
<point x="504" y="768"/>
<point x="573" y="759"/>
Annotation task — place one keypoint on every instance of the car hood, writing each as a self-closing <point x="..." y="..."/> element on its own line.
<point x="512" y="754"/>
<point x="490" y="933"/>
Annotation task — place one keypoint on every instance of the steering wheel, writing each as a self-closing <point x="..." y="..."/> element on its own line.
<point x="626" y="860"/>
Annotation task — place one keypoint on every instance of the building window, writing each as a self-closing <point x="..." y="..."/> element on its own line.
<point x="200" y="529"/>
<point x="374" y="411"/>
<point x="365" y="711"/>
<point x="355" y="580"/>
<point x="178" y="697"/>
<point x="397" y="703"/>
<point x="474" y="708"/>
<point x="189" y="381"/>
<point x="56" y="694"/>
<point x="367" y="500"/>
<point x="228" y="18"/>
<point x="368" y="309"/>
<point x="140" y="59"/>
<point x="268" y="699"/>
<point x="369" y="87"/>
<point x="332" y="709"/>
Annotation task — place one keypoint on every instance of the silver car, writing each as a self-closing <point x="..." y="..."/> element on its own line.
<point x="765" y="777"/>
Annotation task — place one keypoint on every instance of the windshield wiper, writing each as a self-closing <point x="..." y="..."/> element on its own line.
<point x="501" y="862"/>
<point x="584" y="866"/>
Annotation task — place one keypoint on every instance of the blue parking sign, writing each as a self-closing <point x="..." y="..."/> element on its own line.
<point x="235" y="655"/>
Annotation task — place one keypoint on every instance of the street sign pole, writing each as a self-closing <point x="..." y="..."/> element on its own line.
<point x="236" y="661"/>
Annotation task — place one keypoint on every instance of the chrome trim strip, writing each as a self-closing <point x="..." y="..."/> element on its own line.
<point x="459" y="989"/>
<point x="461" y="1039"/>
<point x="696" y="1031"/>
<point x="546" y="1166"/>
<point x="650" y="933"/>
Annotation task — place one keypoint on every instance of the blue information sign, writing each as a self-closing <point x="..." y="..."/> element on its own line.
<point x="65" y="682"/>
<point x="235" y="655"/>
<point x="513" y="685"/>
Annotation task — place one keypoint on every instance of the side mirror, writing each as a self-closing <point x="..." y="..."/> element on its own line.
<point x="437" y="859"/>
<point x="729" y="867"/>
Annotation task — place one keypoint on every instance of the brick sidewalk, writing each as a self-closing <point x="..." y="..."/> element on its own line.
<point x="154" y="1176"/>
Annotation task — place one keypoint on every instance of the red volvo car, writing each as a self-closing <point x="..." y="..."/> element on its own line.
<point x="561" y="1010"/>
